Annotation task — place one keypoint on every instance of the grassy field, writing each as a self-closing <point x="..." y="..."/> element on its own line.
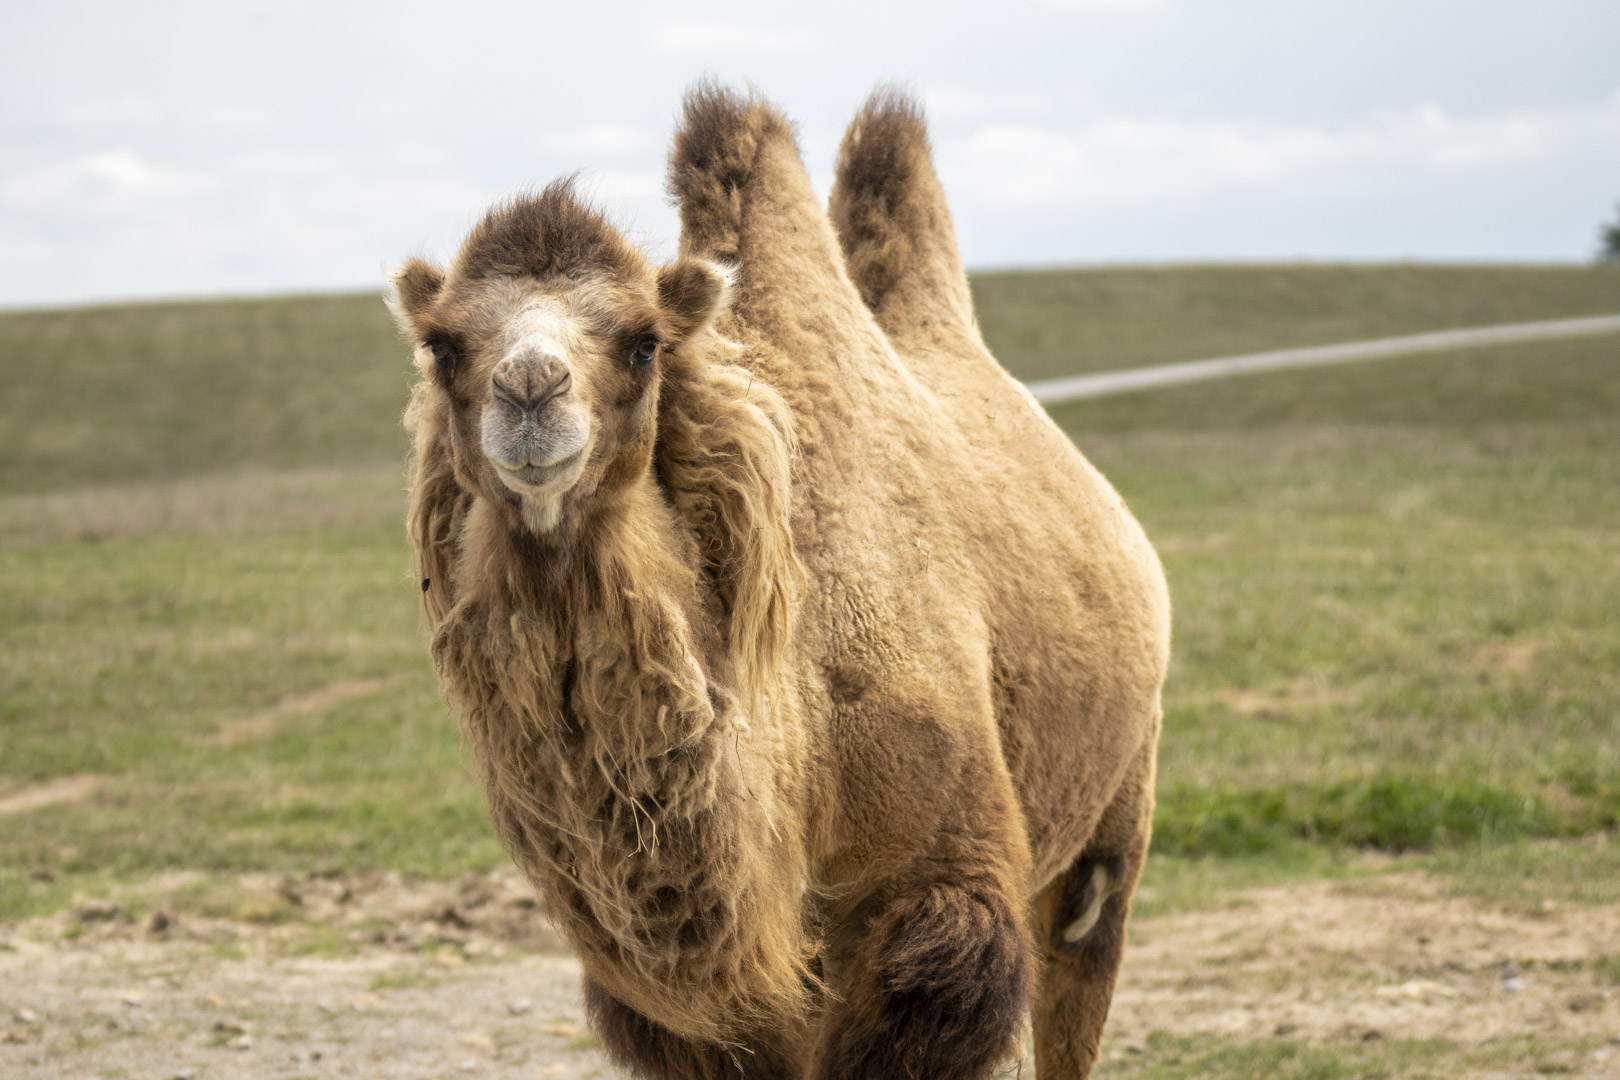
<point x="1397" y="590"/>
<point x="1045" y="324"/>
<point x="155" y="391"/>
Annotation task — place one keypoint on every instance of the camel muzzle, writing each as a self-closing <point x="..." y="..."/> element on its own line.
<point x="529" y="382"/>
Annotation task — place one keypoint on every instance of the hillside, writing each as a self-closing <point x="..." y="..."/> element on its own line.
<point x="156" y="391"/>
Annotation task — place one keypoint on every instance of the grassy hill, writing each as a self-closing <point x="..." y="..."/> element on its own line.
<point x="1395" y="582"/>
<point x="156" y="391"/>
<point x="1044" y="324"/>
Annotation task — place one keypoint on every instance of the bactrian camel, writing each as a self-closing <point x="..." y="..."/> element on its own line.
<point x="813" y="675"/>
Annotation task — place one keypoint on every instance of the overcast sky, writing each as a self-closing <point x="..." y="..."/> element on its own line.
<point x="219" y="148"/>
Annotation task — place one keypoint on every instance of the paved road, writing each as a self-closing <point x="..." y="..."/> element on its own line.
<point x="1101" y="384"/>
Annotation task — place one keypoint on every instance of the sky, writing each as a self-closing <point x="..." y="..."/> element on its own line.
<point x="219" y="148"/>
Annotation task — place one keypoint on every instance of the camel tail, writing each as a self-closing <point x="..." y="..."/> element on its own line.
<point x="716" y="151"/>
<point x="889" y="210"/>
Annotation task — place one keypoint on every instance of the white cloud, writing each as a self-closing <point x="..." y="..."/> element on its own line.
<point x="122" y="112"/>
<point x="1103" y="5"/>
<point x="119" y="224"/>
<point x="276" y="162"/>
<point x="602" y="138"/>
<point x="625" y="185"/>
<point x="1116" y="160"/>
<point x="692" y="37"/>
<point x="237" y="117"/>
<point x="964" y="104"/>
<point x="635" y="201"/>
<point x="112" y="182"/>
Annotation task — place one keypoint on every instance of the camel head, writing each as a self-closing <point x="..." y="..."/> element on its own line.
<point x="541" y="349"/>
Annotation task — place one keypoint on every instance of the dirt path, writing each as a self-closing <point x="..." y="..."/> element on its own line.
<point x="1104" y="383"/>
<point x="378" y="977"/>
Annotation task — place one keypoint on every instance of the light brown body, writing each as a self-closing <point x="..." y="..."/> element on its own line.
<point x="891" y="816"/>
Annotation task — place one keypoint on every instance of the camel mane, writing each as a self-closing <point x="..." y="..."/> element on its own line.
<point x="725" y="457"/>
<point x="658" y="629"/>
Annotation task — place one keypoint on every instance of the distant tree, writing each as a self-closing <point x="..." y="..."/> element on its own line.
<point x="1610" y="251"/>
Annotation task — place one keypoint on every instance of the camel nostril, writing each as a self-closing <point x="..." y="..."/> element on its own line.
<point x="559" y="387"/>
<point x="529" y="386"/>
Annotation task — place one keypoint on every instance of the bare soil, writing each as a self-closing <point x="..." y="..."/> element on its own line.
<point x="376" y="976"/>
<point x="67" y="789"/>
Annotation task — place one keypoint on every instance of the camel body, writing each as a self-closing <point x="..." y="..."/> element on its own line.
<point x="848" y="802"/>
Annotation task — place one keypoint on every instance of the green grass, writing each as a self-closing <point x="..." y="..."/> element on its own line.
<point x="1398" y="610"/>
<point x="127" y="658"/>
<point x="154" y="391"/>
<point x="1043" y="324"/>
<point x="1166" y="1057"/>
<point x="1525" y="874"/>
<point x="1396" y="588"/>
<point x="1387" y="811"/>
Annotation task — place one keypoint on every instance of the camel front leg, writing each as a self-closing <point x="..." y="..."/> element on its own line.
<point x="933" y="983"/>
<point x="648" y="1050"/>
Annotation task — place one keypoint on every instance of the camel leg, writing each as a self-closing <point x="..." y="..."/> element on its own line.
<point x="1080" y="929"/>
<point x="647" y="1050"/>
<point x="933" y="982"/>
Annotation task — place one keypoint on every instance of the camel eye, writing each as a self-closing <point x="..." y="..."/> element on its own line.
<point x="645" y="349"/>
<point x="445" y="361"/>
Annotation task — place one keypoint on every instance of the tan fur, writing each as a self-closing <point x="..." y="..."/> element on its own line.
<point x="807" y="712"/>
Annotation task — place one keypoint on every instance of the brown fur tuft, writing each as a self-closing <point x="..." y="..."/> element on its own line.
<point x="720" y="135"/>
<point x="878" y="163"/>
<point x="895" y="231"/>
<point x="652" y="1052"/>
<point x="554" y="232"/>
<point x="944" y="978"/>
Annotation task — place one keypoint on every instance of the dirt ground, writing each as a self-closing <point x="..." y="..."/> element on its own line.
<point x="381" y="977"/>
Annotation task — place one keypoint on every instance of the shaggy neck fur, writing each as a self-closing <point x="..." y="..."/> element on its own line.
<point x="607" y="687"/>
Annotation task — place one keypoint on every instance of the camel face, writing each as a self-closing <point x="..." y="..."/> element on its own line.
<point x="562" y="392"/>
<point x="536" y="429"/>
<point x="542" y="346"/>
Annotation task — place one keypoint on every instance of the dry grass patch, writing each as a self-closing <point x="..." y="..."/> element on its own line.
<point x="66" y="789"/>
<point x="262" y="725"/>
<point x="216" y="506"/>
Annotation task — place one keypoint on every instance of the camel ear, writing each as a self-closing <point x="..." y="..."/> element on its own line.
<point x="693" y="293"/>
<point x="416" y="286"/>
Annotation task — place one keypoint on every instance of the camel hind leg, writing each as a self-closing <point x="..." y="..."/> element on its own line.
<point x="1080" y="927"/>
<point x="895" y="229"/>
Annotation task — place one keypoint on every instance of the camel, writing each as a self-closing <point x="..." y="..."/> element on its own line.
<point x="812" y="674"/>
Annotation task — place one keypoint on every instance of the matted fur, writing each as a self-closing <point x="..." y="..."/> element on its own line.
<point x="606" y="709"/>
<point x="438" y="504"/>
<point x="725" y="456"/>
<point x="615" y="784"/>
<point x="842" y="666"/>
